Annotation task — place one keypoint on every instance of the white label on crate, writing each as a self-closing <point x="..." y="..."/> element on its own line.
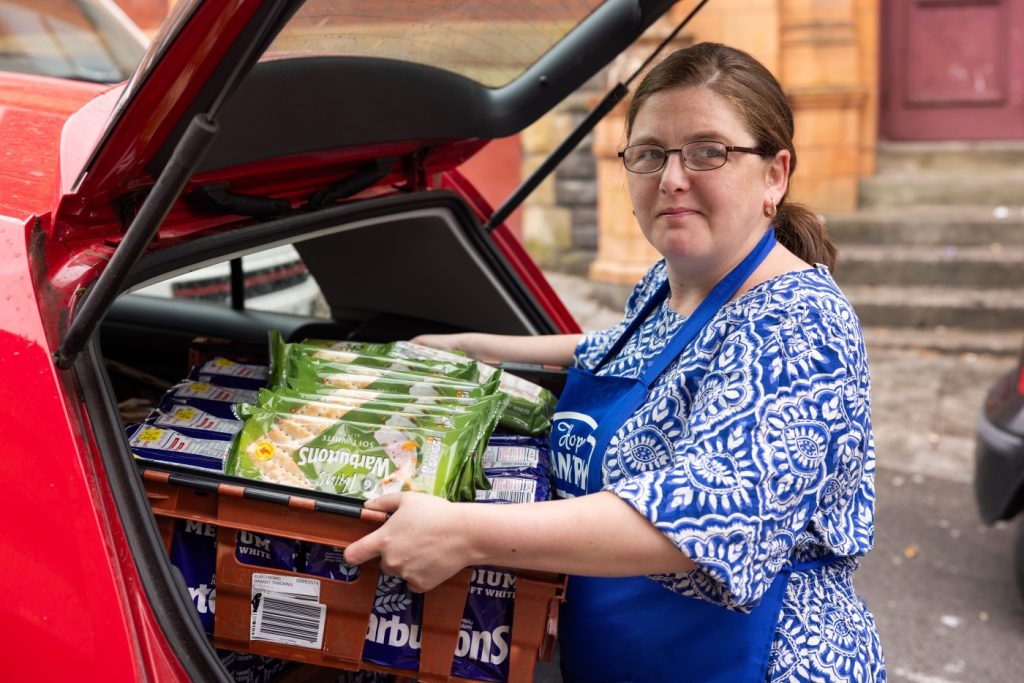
<point x="286" y="610"/>
<point x="294" y="586"/>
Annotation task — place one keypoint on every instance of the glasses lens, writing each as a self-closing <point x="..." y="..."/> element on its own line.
<point x="643" y="158"/>
<point x="704" y="156"/>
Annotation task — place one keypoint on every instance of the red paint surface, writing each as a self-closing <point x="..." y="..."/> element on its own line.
<point x="952" y="70"/>
<point x="33" y="112"/>
<point x="73" y="606"/>
<point x="495" y="172"/>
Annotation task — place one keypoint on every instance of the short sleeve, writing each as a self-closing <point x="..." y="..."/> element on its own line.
<point x="754" y="457"/>
<point x="595" y="344"/>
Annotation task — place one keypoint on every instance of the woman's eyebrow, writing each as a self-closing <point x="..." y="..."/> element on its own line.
<point x="708" y="134"/>
<point x="644" y="140"/>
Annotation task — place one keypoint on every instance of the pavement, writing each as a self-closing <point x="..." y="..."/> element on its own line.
<point x="940" y="583"/>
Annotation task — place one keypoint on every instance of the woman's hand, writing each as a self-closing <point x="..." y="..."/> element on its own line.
<point x="422" y="542"/>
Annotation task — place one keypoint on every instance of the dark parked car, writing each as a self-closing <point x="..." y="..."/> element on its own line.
<point x="999" y="458"/>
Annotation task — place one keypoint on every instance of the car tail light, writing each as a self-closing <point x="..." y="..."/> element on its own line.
<point x="1020" y="376"/>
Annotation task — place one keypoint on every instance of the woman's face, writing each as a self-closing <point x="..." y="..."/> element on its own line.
<point x="701" y="221"/>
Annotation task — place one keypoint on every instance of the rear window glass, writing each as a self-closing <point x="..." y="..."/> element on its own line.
<point x="274" y="280"/>
<point x="489" y="41"/>
<point x="83" y="40"/>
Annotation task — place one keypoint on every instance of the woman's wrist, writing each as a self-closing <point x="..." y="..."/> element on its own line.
<point x="468" y="343"/>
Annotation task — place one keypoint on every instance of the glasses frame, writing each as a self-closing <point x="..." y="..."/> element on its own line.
<point x="728" y="148"/>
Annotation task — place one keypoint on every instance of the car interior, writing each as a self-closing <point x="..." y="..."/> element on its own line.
<point x="389" y="268"/>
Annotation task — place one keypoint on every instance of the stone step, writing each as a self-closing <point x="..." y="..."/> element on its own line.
<point x="926" y="307"/>
<point x="946" y="340"/>
<point x="914" y="188"/>
<point x="952" y="157"/>
<point x="992" y="266"/>
<point x="931" y="225"/>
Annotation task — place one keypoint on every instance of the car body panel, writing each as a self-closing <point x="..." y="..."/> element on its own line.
<point x="66" y="556"/>
<point x="999" y="451"/>
<point x="999" y="459"/>
<point x="32" y="116"/>
<point x="210" y="68"/>
<point x="513" y="251"/>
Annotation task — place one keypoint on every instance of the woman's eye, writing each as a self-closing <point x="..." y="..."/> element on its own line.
<point x="708" y="152"/>
<point x="650" y="154"/>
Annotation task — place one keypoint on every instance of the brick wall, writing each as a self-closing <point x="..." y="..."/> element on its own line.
<point x="560" y="218"/>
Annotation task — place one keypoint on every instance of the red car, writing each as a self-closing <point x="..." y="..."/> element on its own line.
<point x="333" y="127"/>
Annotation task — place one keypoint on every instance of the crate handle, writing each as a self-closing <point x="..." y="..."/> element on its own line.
<point x="252" y="493"/>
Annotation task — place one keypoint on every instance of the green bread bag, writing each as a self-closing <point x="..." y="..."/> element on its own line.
<point x="307" y="375"/>
<point x="529" y="410"/>
<point x="375" y="407"/>
<point x="353" y="459"/>
<point x="479" y="415"/>
<point x="283" y="356"/>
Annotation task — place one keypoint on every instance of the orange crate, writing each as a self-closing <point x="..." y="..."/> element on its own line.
<point x="232" y="508"/>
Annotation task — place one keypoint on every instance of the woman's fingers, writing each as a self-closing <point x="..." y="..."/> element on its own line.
<point x="420" y="542"/>
<point x="369" y="546"/>
<point x="387" y="503"/>
<point x="366" y="548"/>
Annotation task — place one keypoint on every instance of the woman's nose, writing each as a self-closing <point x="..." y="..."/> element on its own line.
<point x="675" y="175"/>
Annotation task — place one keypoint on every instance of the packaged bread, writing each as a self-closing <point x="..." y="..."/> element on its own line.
<point x="528" y="412"/>
<point x="284" y="354"/>
<point x="360" y="460"/>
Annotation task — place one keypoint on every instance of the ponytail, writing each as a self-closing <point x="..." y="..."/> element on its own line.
<point x="802" y="232"/>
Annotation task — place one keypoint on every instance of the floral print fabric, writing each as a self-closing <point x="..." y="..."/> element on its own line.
<point x="754" y="452"/>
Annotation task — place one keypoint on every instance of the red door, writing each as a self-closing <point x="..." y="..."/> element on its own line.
<point x="952" y="70"/>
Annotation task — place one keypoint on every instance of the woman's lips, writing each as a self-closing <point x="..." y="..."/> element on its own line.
<point x="676" y="211"/>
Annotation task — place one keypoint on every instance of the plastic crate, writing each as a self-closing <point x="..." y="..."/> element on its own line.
<point x="277" y="512"/>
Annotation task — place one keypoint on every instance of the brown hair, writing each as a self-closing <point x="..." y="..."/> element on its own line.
<point x="758" y="99"/>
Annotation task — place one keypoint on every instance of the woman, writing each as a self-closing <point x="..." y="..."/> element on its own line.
<point x="714" y="449"/>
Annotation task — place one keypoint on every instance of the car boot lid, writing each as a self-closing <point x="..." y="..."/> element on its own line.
<point x="337" y="84"/>
<point x="249" y="108"/>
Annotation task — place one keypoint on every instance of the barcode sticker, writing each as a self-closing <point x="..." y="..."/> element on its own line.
<point x="287" y="610"/>
<point x="510" y="457"/>
<point x="512" y="489"/>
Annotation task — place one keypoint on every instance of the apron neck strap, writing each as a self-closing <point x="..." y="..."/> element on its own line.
<point x="718" y="297"/>
<point x="659" y="296"/>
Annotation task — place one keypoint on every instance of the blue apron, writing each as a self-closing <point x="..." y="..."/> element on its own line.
<point x="633" y="629"/>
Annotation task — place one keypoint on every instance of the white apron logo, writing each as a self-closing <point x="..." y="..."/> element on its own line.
<point x="573" y="441"/>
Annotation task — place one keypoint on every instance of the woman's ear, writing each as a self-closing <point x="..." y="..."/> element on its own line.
<point x="776" y="174"/>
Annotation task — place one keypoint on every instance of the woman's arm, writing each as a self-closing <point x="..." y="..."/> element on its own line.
<point x="550" y="349"/>
<point x="428" y="539"/>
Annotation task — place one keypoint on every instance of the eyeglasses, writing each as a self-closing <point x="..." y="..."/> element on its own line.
<point x="700" y="155"/>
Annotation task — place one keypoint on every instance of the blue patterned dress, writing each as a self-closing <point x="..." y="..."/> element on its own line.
<point x="754" y="449"/>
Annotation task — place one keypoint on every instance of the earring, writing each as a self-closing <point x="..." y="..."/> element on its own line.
<point x="769" y="208"/>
